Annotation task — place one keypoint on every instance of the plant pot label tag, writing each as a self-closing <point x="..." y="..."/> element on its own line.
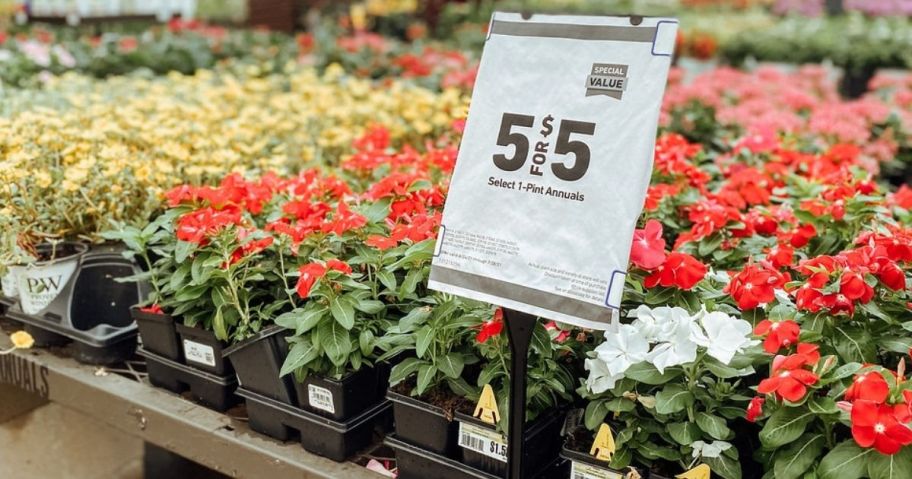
<point x="199" y="353"/>
<point x="320" y="398"/>
<point x="483" y="441"/>
<point x="38" y="286"/>
<point x="554" y="164"/>
<point x="8" y="283"/>
<point x="700" y="472"/>
<point x="581" y="470"/>
<point x="603" y="446"/>
<point x="486" y="409"/>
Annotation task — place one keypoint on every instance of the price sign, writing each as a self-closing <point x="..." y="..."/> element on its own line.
<point x="554" y="164"/>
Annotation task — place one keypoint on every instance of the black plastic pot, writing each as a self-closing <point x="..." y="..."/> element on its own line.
<point x="584" y="465"/>
<point x="157" y="333"/>
<point x="416" y="463"/>
<point x="541" y="445"/>
<point x="339" y="399"/>
<point x="214" y="391"/>
<point x="77" y="298"/>
<point x="424" y="425"/>
<point x="258" y="362"/>
<point x="325" y="437"/>
<point x="202" y="350"/>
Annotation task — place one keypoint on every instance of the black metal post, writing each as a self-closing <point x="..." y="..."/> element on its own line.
<point x="519" y="331"/>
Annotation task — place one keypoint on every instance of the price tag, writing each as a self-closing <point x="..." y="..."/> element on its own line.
<point x="581" y="470"/>
<point x="554" y="164"/>
<point x="199" y="353"/>
<point x="483" y="441"/>
<point x="320" y="398"/>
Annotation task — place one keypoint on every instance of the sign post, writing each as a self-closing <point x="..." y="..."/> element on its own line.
<point x="551" y="175"/>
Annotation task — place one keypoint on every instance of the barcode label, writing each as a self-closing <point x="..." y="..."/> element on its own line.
<point x="199" y="353"/>
<point x="580" y="470"/>
<point x="483" y="441"/>
<point x="320" y="398"/>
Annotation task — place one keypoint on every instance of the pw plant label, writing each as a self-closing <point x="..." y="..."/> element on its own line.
<point x="554" y="165"/>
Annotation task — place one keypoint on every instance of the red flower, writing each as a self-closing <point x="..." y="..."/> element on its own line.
<point x="802" y="235"/>
<point x="781" y="256"/>
<point x="562" y="334"/>
<point x="852" y="285"/>
<point x="250" y="248"/>
<point x="755" y="408"/>
<point x="310" y="273"/>
<point x="870" y="386"/>
<point x="789" y="379"/>
<point x="755" y="285"/>
<point x="196" y="226"/>
<point x="381" y="242"/>
<point x="152" y="309"/>
<point x="339" y="266"/>
<point x="876" y="425"/>
<point x="648" y="250"/>
<point x="779" y="334"/>
<point x="680" y="270"/>
<point x="491" y="328"/>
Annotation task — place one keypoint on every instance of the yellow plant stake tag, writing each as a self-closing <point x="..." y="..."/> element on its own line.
<point x="486" y="409"/>
<point x="603" y="446"/>
<point x="700" y="472"/>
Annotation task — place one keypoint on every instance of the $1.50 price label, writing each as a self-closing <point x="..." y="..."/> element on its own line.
<point x="483" y="441"/>
<point x="554" y="164"/>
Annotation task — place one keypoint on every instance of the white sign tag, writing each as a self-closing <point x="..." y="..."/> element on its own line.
<point x="199" y="353"/>
<point x="483" y="441"/>
<point x="39" y="286"/>
<point x="581" y="470"/>
<point x="554" y="164"/>
<point x="320" y="398"/>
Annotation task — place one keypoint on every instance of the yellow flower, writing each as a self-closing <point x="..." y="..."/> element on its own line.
<point x="22" y="340"/>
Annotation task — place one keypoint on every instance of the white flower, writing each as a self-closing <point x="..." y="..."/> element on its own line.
<point x="657" y="324"/>
<point x="711" y="449"/>
<point x="622" y="349"/>
<point x="600" y="379"/>
<point x="679" y="346"/>
<point x="725" y="335"/>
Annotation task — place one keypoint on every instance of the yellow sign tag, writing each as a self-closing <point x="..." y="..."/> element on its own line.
<point x="603" y="446"/>
<point x="486" y="409"/>
<point x="700" y="472"/>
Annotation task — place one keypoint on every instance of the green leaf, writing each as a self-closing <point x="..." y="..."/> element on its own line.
<point x="342" y="311"/>
<point x="335" y="342"/>
<point x="370" y="306"/>
<point x="854" y="344"/>
<point x="423" y="339"/>
<point x="301" y="353"/>
<point x="182" y="251"/>
<point x="846" y="461"/>
<point x="426" y="374"/>
<point x="451" y="365"/>
<point x="672" y="399"/>
<point x="415" y="317"/>
<point x="387" y="279"/>
<point x="595" y="414"/>
<point x="896" y="466"/>
<point x="218" y="325"/>
<point x="647" y="373"/>
<point x="724" y="466"/>
<point x="411" y="281"/>
<point x="366" y="342"/>
<point x="713" y="425"/>
<point x="792" y="461"/>
<point x="784" y="426"/>
<point x="684" y="433"/>
<point x="404" y="369"/>
<point x="895" y="344"/>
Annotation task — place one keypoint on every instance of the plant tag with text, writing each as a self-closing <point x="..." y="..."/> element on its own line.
<point x="199" y="353"/>
<point x="483" y="441"/>
<point x="320" y="398"/>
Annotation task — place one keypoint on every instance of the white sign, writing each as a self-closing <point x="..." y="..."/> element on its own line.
<point x="483" y="441"/>
<point x="320" y="398"/>
<point x="554" y="164"/>
<point x="199" y="353"/>
<point x="580" y="470"/>
<point x="39" y="285"/>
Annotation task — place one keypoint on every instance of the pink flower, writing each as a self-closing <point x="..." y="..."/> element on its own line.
<point x="648" y="250"/>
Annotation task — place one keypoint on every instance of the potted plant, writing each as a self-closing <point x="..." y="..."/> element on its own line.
<point x="670" y="386"/>
<point x="551" y="373"/>
<point x="426" y="386"/>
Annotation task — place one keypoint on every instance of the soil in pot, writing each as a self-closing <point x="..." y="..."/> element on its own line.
<point x="202" y="350"/>
<point x="486" y="449"/>
<point x="258" y="361"/>
<point x="157" y="332"/>
<point x="339" y="399"/>
<point x="428" y="421"/>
